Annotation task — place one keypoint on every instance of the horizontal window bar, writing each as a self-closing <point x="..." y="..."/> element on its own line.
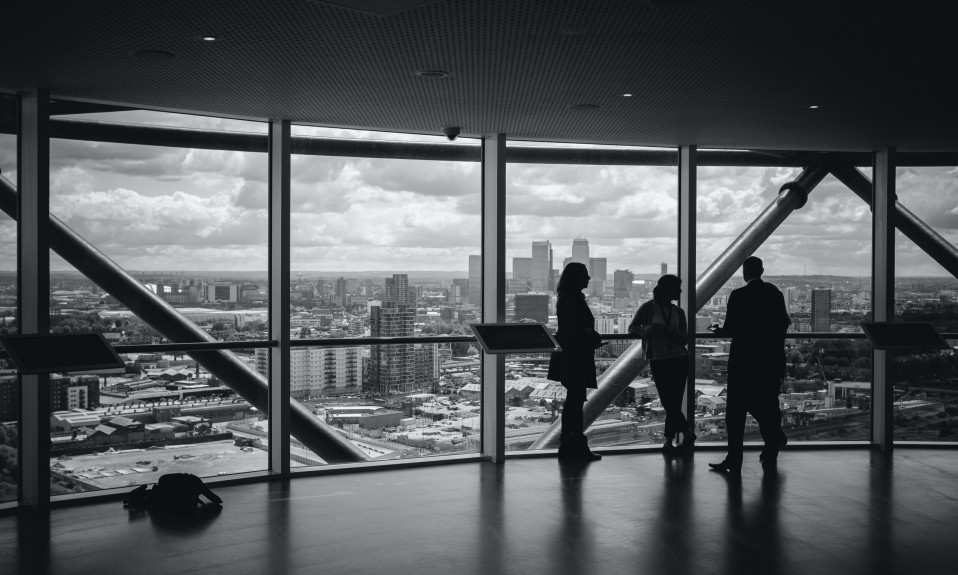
<point x="197" y="346"/>
<point x="247" y="142"/>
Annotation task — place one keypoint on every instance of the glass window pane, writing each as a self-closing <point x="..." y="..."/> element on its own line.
<point x="188" y="227"/>
<point x="618" y="220"/>
<point x="926" y="382"/>
<point x="381" y="246"/>
<point x="9" y="380"/>
<point x="820" y="258"/>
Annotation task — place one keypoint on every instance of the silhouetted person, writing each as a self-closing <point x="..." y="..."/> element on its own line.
<point x="756" y="319"/>
<point x="574" y="366"/>
<point x="664" y="331"/>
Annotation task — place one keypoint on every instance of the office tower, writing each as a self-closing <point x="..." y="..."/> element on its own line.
<point x="475" y="280"/>
<point x="598" y="272"/>
<point x="541" y="266"/>
<point x="459" y="290"/>
<point x="580" y="251"/>
<point x="665" y="268"/>
<point x="522" y="270"/>
<point x="622" y="323"/>
<point x="821" y="306"/>
<point x="622" y="283"/>
<point x="392" y="368"/>
<point x="534" y="306"/>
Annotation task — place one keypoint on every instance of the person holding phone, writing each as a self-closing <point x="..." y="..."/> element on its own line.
<point x="664" y="331"/>
<point x="574" y="366"/>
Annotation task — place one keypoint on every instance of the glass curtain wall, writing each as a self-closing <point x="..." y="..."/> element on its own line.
<point x="187" y="222"/>
<point x="385" y="237"/>
<point x="9" y="380"/>
<point x="926" y="381"/>
<point x="621" y="222"/>
<point x="820" y="258"/>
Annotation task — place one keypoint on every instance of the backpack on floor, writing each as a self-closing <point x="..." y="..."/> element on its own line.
<point x="177" y="493"/>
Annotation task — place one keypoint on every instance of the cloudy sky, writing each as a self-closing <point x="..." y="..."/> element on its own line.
<point x="154" y="208"/>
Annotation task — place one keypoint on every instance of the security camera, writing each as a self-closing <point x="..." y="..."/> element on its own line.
<point x="452" y="132"/>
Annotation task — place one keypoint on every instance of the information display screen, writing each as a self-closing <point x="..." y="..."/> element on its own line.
<point x="514" y="338"/>
<point x="59" y="353"/>
<point x="903" y="335"/>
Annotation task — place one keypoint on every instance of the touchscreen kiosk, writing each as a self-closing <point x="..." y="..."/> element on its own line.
<point x="903" y="335"/>
<point x="33" y="354"/>
<point x="514" y="338"/>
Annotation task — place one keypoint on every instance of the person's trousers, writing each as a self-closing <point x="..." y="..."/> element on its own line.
<point x="671" y="376"/>
<point x="758" y="396"/>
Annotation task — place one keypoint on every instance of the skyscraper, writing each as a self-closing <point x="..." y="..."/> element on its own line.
<point x="392" y="368"/>
<point x="665" y="268"/>
<point x="622" y="283"/>
<point x="580" y="251"/>
<point x="522" y="269"/>
<point x="397" y="290"/>
<point x="475" y="280"/>
<point x="541" y="266"/>
<point x="598" y="271"/>
<point x="821" y="306"/>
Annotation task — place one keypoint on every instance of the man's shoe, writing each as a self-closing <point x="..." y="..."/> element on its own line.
<point x="782" y="442"/>
<point x="726" y="467"/>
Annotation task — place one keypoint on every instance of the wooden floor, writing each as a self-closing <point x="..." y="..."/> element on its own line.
<point x="841" y="512"/>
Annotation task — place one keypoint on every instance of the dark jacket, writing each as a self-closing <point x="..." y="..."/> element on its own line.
<point x="756" y="320"/>
<point x="575" y="364"/>
<point x="644" y="319"/>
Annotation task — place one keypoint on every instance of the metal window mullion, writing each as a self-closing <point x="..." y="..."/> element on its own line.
<point x="686" y="234"/>
<point x="33" y="291"/>
<point x="279" y="272"/>
<point x="493" y="292"/>
<point x="883" y="290"/>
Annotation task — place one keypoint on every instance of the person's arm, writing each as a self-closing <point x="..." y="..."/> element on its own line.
<point x="731" y="318"/>
<point x="785" y="320"/>
<point x="640" y="323"/>
<point x="682" y="334"/>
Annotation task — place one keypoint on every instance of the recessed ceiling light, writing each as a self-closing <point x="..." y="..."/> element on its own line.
<point x="626" y="95"/>
<point x="584" y="107"/>
<point x="813" y="107"/>
<point x="432" y="74"/>
<point x="153" y="55"/>
<point x="209" y="38"/>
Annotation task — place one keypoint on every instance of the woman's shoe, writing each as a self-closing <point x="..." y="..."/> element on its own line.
<point x="688" y="444"/>
<point x="586" y="455"/>
<point x="668" y="448"/>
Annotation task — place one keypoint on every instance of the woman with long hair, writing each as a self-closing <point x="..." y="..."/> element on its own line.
<point x="664" y="331"/>
<point x="574" y="366"/>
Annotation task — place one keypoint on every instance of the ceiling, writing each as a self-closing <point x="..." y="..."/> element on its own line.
<point x="712" y="73"/>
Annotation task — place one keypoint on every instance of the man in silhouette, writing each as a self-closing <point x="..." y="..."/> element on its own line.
<point x="756" y="319"/>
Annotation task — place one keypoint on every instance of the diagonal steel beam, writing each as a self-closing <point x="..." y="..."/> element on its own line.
<point x="160" y="315"/>
<point x="908" y="223"/>
<point x="623" y="371"/>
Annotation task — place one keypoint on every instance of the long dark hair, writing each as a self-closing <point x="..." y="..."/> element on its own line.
<point x="572" y="277"/>
<point x="660" y="291"/>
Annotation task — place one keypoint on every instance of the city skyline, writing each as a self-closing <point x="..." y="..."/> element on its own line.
<point x="151" y="207"/>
